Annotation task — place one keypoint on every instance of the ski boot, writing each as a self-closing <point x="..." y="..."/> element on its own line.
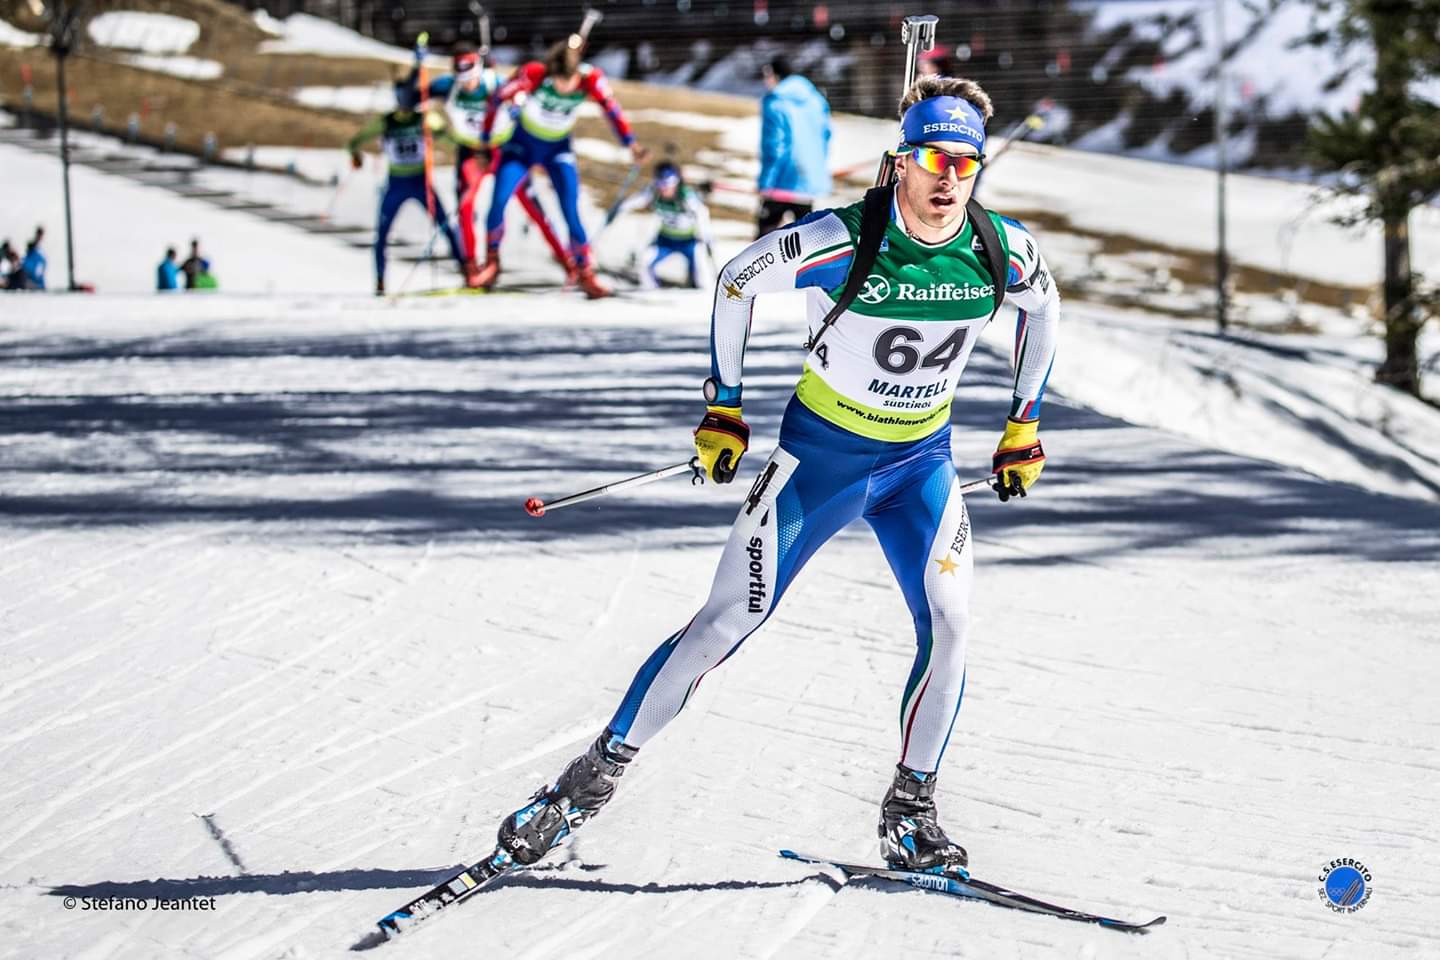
<point x="910" y="836"/>
<point x="471" y="269"/>
<point x="380" y="287"/>
<point x="490" y="272"/>
<point x="591" y="284"/>
<point x="555" y="811"/>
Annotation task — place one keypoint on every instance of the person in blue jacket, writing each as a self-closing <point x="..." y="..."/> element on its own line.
<point x="167" y="275"/>
<point x="33" y="266"/>
<point x="794" y="146"/>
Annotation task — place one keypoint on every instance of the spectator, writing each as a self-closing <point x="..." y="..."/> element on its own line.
<point x="9" y="264"/>
<point x="935" y="63"/>
<point x="191" y="266"/>
<point x="33" y="266"/>
<point x="794" y="146"/>
<point x="167" y="275"/>
<point x="205" y="280"/>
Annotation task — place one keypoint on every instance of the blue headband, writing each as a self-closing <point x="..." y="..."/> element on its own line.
<point x="944" y="118"/>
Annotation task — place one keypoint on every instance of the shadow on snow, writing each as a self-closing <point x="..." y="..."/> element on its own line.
<point x="456" y="464"/>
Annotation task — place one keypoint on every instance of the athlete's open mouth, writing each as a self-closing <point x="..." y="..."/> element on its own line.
<point x="942" y="202"/>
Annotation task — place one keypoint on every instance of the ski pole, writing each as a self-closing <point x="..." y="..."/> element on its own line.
<point x="425" y="255"/>
<point x="592" y="17"/>
<point x="625" y="186"/>
<point x="992" y="482"/>
<point x="1017" y="133"/>
<point x="482" y="24"/>
<point x="537" y="507"/>
<point x="335" y="194"/>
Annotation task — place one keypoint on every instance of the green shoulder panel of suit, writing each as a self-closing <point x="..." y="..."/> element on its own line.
<point x="910" y="280"/>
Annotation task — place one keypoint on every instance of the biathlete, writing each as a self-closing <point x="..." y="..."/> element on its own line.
<point x="554" y="90"/>
<point x="684" y="223"/>
<point x="866" y="434"/>
<point x="402" y="136"/>
<point x="465" y="95"/>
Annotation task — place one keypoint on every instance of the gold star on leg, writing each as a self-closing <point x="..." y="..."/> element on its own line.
<point x="947" y="565"/>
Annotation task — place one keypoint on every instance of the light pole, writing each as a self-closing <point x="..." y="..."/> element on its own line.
<point x="62" y="30"/>
<point x="1222" y="259"/>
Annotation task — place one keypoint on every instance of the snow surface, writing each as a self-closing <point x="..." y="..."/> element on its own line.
<point x="314" y="163"/>
<point x="359" y="98"/>
<point x="269" y="24"/>
<point x="304" y="33"/>
<point x="1309" y="401"/>
<point x="277" y="631"/>
<point x="122" y="229"/>
<point x="189" y="68"/>
<point x="11" y="36"/>
<point x="147" y="32"/>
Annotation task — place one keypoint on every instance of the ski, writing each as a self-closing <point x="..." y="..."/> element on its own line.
<point x="972" y="889"/>
<point x="452" y="891"/>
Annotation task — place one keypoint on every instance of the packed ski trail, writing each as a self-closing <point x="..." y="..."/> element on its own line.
<point x="277" y="629"/>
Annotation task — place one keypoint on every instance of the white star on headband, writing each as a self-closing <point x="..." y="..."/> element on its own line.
<point x="957" y="113"/>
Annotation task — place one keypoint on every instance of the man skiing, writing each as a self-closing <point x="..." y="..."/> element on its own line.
<point x="466" y="95"/>
<point x="684" y="223"/>
<point x="554" y="90"/>
<point x="867" y="434"/>
<point x="402" y="133"/>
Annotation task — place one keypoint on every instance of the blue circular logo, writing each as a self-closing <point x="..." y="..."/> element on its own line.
<point x="1344" y="885"/>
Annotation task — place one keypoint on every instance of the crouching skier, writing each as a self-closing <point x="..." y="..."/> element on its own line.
<point x="867" y="434"/>
<point x="684" y="221"/>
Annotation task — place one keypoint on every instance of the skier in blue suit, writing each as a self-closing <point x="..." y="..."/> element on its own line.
<point x="402" y="132"/>
<point x="866" y="435"/>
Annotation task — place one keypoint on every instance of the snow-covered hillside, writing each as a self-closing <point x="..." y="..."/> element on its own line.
<point x="277" y="631"/>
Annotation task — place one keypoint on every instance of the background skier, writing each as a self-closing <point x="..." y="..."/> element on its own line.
<point x="684" y="223"/>
<point x="466" y="94"/>
<point x="402" y="136"/>
<point x="554" y="90"/>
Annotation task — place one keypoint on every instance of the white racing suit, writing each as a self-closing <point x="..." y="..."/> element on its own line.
<point x="867" y="434"/>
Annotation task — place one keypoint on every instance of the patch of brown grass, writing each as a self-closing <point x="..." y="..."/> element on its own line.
<point x="219" y="22"/>
<point x="236" y="116"/>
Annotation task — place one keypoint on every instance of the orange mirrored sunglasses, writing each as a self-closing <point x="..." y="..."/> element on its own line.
<point x="933" y="160"/>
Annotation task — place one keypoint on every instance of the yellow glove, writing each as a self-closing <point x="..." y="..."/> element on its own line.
<point x="1019" y="458"/>
<point x="720" y="441"/>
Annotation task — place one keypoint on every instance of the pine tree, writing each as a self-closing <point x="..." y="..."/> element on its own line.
<point x="1386" y="152"/>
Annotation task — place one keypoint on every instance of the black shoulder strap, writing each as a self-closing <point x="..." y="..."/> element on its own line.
<point x="991" y="249"/>
<point x="874" y="218"/>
